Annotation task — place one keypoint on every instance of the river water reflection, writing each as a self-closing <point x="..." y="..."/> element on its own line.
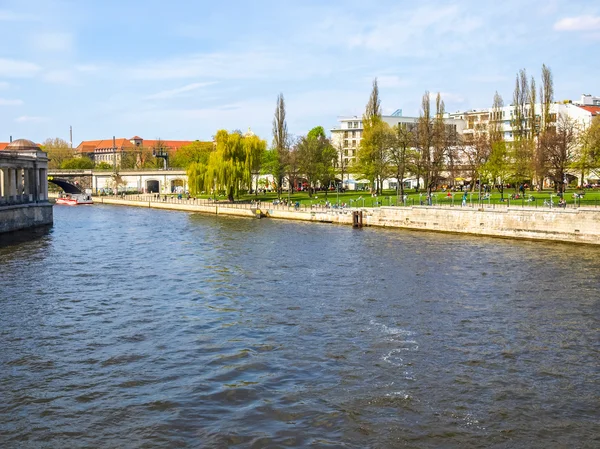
<point x="124" y="327"/>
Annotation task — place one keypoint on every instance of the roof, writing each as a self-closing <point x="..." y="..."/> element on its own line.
<point x="89" y="146"/>
<point x="594" y="110"/>
<point x="19" y="145"/>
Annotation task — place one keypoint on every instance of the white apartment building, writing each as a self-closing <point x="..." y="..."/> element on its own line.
<point x="347" y="136"/>
<point x="477" y="120"/>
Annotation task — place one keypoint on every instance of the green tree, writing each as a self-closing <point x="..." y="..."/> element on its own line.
<point x="588" y="156"/>
<point x="77" y="163"/>
<point x="194" y="152"/>
<point x="497" y="167"/>
<point x="372" y="161"/>
<point x="316" y="159"/>
<point x="281" y="145"/>
<point x="58" y="151"/>
<point x="103" y="166"/>
<point x="229" y="166"/>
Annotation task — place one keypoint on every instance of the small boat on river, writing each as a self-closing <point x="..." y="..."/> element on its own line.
<point x="74" y="199"/>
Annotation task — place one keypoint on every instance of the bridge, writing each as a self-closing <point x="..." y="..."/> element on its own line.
<point x="143" y="181"/>
<point x="23" y="187"/>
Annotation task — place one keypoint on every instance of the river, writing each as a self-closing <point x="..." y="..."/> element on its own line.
<point x="140" y="328"/>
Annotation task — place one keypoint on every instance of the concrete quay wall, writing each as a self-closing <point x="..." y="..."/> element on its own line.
<point x="24" y="216"/>
<point x="566" y="225"/>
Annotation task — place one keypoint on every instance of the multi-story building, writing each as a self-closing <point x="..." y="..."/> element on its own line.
<point x="347" y="137"/>
<point x="477" y="121"/>
<point x="110" y="152"/>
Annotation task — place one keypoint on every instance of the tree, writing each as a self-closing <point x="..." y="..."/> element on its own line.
<point x="424" y="141"/>
<point x="373" y="109"/>
<point x="77" y="163"/>
<point x="521" y="146"/>
<point x="229" y="166"/>
<point x="402" y="155"/>
<point x="194" y="152"/>
<point x="58" y="151"/>
<point x="560" y="145"/>
<point x="372" y="161"/>
<point x="588" y="156"/>
<point x="316" y="159"/>
<point x="280" y="144"/>
<point x="444" y="138"/>
<point x="497" y="166"/>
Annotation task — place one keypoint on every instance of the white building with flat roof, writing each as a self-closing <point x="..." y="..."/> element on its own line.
<point x="346" y="138"/>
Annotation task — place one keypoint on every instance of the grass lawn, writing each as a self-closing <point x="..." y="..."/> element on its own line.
<point x="389" y="198"/>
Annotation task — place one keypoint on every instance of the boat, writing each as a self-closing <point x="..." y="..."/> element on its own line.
<point x="74" y="199"/>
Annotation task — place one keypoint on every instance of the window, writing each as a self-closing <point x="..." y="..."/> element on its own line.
<point x="353" y="133"/>
<point x="345" y="152"/>
<point x="346" y="134"/>
<point x="354" y="143"/>
<point x="346" y="143"/>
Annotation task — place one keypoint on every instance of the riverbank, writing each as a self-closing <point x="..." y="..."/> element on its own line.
<point x="555" y="224"/>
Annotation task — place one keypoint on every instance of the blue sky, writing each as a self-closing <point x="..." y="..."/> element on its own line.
<point x="183" y="69"/>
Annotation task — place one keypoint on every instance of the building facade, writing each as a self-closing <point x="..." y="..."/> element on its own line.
<point x="110" y="151"/>
<point x="346" y="139"/>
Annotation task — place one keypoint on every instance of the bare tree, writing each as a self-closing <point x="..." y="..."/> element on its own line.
<point x="521" y="145"/>
<point x="424" y="141"/>
<point x="560" y="145"/>
<point x="402" y="155"/>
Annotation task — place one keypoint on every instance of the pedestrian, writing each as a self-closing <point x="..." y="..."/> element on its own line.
<point x="464" y="199"/>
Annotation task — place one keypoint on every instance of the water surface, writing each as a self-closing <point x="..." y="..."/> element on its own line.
<point x="125" y="327"/>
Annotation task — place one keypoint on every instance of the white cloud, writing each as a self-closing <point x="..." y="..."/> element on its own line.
<point x="171" y="93"/>
<point x="17" y="69"/>
<point x="5" y="102"/>
<point x="59" y="77"/>
<point x="226" y="65"/>
<point x="392" y="81"/>
<point x="31" y="119"/>
<point x="581" y="23"/>
<point x="87" y="68"/>
<point x="10" y="16"/>
<point x="52" y="41"/>
<point x="402" y="31"/>
<point x="450" y="97"/>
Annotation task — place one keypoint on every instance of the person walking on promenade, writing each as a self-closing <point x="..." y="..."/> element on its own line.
<point x="464" y="199"/>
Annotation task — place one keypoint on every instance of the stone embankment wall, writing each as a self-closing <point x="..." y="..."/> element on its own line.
<point x="580" y="225"/>
<point x="23" y="216"/>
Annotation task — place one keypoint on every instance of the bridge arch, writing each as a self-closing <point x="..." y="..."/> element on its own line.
<point x="152" y="186"/>
<point x="64" y="184"/>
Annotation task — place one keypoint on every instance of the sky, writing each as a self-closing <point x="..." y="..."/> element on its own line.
<point x="181" y="70"/>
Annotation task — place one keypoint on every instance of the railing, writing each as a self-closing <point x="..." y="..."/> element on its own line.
<point x="441" y="200"/>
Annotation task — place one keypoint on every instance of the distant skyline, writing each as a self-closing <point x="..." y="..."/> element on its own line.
<point x="181" y="70"/>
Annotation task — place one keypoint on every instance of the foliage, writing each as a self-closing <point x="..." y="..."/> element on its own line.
<point x="229" y="166"/>
<point x="372" y="160"/>
<point x="280" y="144"/>
<point x="194" y="152"/>
<point x="316" y="158"/>
<point x="103" y="166"/>
<point x="77" y="163"/>
<point x="58" y="151"/>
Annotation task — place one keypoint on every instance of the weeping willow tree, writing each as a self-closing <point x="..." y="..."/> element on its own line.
<point x="229" y="166"/>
